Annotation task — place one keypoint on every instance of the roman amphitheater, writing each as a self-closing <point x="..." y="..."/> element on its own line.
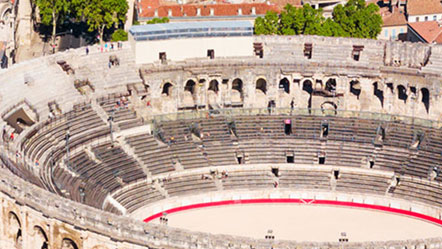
<point x="300" y="142"/>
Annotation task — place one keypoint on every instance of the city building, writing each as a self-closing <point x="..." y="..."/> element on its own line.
<point x="147" y="10"/>
<point x="424" y="10"/>
<point x="427" y="32"/>
<point x="395" y="24"/>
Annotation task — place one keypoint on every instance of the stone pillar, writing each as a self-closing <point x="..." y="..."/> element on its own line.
<point x="130" y="15"/>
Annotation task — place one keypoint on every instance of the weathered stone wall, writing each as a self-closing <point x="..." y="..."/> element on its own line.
<point x="31" y="217"/>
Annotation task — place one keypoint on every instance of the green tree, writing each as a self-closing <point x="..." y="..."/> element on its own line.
<point x="158" y="20"/>
<point x="119" y="35"/>
<point x="313" y="20"/>
<point x="102" y="14"/>
<point x="268" y="25"/>
<point x="358" y="19"/>
<point x="53" y="12"/>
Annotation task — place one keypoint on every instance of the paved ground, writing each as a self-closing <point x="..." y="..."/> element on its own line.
<point x="303" y="222"/>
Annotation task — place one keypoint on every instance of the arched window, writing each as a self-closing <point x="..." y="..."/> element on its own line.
<point x="355" y="88"/>
<point x="40" y="238"/>
<point x="15" y="228"/>
<point x="213" y="86"/>
<point x="285" y="85"/>
<point x="190" y="86"/>
<point x="330" y="85"/>
<point x="261" y="84"/>
<point x="68" y="244"/>
<point x="402" y="93"/>
<point x="167" y="89"/>
<point x="426" y="98"/>
<point x="378" y="93"/>
<point x="237" y="85"/>
<point x="307" y="86"/>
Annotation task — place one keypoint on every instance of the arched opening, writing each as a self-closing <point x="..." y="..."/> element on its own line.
<point x="213" y="86"/>
<point x="330" y="85"/>
<point x="318" y="85"/>
<point x="329" y="107"/>
<point x="190" y="86"/>
<point x="426" y="98"/>
<point x="284" y="84"/>
<point x="261" y="84"/>
<point x="378" y="93"/>
<point x="68" y="244"/>
<point x="40" y="238"/>
<point x="15" y="228"/>
<point x="237" y="93"/>
<point x="402" y="93"/>
<point x="167" y="89"/>
<point x="355" y="88"/>
<point x="308" y="87"/>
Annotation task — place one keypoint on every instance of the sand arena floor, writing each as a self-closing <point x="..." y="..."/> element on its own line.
<point x="303" y="222"/>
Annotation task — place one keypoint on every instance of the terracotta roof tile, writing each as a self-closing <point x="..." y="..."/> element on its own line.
<point x="394" y="19"/>
<point x="423" y="7"/>
<point x="205" y="9"/>
<point x="429" y="31"/>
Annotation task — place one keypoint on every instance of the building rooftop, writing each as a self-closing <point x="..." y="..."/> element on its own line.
<point x="430" y="31"/>
<point x="423" y="7"/>
<point x="151" y="9"/>
<point x="394" y="18"/>
<point x="191" y="29"/>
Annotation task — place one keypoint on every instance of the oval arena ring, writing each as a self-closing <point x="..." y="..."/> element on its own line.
<point x="185" y="138"/>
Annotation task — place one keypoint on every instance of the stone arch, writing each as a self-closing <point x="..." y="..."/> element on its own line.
<point x="261" y="84"/>
<point x="355" y="88"/>
<point x="379" y="93"/>
<point x="214" y="86"/>
<point x="307" y="86"/>
<point x="284" y="84"/>
<point x="190" y="86"/>
<point x="15" y="229"/>
<point x="330" y="85"/>
<point x="402" y="93"/>
<point x="318" y="85"/>
<point x="329" y="107"/>
<point x="167" y="89"/>
<point x="40" y="238"/>
<point x="425" y="98"/>
<point x="67" y="243"/>
<point x="5" y="12"/>
<point x="237" y="90"/>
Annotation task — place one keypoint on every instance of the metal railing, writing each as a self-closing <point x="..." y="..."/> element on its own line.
<point x="232" y="112"/>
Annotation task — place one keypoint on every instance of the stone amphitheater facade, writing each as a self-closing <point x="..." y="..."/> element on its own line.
<point x="49" y="201"/>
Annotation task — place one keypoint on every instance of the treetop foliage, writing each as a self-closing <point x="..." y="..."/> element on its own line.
<point x="354" y="19"/>
<point x="158" y="20"/>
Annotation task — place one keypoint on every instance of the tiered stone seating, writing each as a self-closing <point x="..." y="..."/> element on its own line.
<point x="94" y="194"/>
<point x="156" y="157"/>
<point x="421" y="190"/>
<point x="115" y="169"/>
<point x="275" y="150"/>
<point x="305" y="179"/>
<point x="248" y="179"/>
<point x="349" y="154"/>
<point x="138" y="195"/>
<point x="423" y="163"/>
<point x="362" y="182"/>
<point x="192" y="184"/>
<point x="399" y="135"/>
<point x="124" y="117"/>
<point x="351" y="129"/>
<point x="392" y="159"/>
<point x="82" y="123"/>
